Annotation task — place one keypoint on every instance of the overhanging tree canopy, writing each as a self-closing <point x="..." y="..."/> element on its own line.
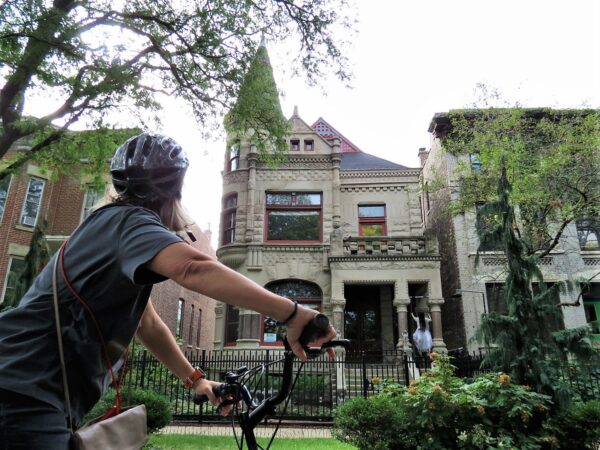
<point x="94" y="57"/>
<point x="552" y="161"/>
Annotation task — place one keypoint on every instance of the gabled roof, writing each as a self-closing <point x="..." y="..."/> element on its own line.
<point x="327" y="131"/>
<point x="364" y="161"/>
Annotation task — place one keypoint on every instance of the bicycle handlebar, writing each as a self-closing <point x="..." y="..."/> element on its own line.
<point x="311" y="332"/>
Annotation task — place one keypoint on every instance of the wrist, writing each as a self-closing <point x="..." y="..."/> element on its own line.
<point x="194" y="378"/>
<point x="290" y="317"/>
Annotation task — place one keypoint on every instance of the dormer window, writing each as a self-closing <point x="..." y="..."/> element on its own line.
<point x="309" y="145"/>
<point x="295" y="145"/>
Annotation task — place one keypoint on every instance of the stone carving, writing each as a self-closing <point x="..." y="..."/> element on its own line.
<point x="296" y="175"/>
<point x="237" y="176"/>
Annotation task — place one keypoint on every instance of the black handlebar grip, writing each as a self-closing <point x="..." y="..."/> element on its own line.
<point x="313" y="329"/>
<point x="198" y="399"/>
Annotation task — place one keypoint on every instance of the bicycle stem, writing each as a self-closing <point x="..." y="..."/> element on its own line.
<point x="250" y="419"/>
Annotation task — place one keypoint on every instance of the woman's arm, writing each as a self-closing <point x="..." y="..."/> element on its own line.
<point x="201" y="273"/>
<point x="157" y="338"/>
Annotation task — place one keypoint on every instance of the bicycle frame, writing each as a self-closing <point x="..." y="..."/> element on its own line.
<point x="254" y="414"/>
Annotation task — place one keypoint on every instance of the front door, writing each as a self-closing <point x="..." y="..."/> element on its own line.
<point x="362" y="322"/>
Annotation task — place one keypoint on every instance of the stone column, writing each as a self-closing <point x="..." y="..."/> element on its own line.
<point x="252" y="159"/>
<point x="249" y="336"/>
<point x="436" y="319"/>
<point x="219" y="325"/>
<point x="338" y="305"/>
<point x="336" y="158"/>
<point x="402" y="312"/>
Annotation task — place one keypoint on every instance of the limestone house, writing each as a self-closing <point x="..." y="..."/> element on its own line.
<point x="332" y="226"/>
<point x="577" y="257"/>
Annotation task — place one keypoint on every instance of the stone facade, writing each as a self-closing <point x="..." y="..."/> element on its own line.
<point x="375" y="282"/>
<point x="458" y="248"/>
<point x="61" y="202"/>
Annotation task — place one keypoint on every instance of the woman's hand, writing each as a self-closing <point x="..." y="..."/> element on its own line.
<point x="204" y="386"/>
<point x="296" y="326"/>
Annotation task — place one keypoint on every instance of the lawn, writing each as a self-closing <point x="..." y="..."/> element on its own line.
<point x="187" y="442"/>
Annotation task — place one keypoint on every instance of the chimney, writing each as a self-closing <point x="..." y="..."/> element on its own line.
<point x="423" y="154"/>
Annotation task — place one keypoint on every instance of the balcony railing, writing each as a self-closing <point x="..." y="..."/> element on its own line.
<point x="364" y="246"/>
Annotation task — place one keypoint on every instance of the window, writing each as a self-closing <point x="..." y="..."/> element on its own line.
<point x="191" y="333"/>
<point x="199" y="327"/>
<point x="591" y="304"/>
<point x="494" y="293"/>
<point x="179" y="324"/>
<point x="486" y="224"/>
<point x="295" y="145"/>
<point x="305" y="293"/>
<point x="229" y="212"/>
<point x="234" y="157"/>
<point x="232" y="321"/>
<point x="16" y="267"/>
<point x="309" y="145"/>
<point x="556" y="322"/>
<point x="293" y="216"/>
<point x="91" y="197"/>
<point x="33" y="200"/>
<point x="588" y="232"/>
<point x="4" y="184"/>
<point x="475" y="162"/>
<point x="371" y="220"/>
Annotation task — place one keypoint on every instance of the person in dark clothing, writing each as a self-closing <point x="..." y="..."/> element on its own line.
<point x="112" y="260"/>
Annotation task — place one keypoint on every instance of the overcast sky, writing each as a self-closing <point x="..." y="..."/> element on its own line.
<point x="413" y="59"/>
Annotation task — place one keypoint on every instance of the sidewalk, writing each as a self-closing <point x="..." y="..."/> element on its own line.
<point x="260" y="431"/>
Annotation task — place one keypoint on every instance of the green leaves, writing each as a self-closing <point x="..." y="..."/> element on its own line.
<point x="96" y="59"/>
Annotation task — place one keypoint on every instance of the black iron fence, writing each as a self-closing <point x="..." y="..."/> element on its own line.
<point x="321" y="385"/>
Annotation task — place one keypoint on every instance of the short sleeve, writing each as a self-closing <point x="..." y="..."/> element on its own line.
<point x="142" y="237"/>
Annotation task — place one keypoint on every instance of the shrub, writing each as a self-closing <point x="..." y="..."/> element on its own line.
<point x="157" y="406"/>
<point x="440" y="411"/>
<point x="373" y="424"/>
<point x="579" y="426"/>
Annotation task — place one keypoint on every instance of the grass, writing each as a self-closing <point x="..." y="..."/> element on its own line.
<point x="187" y="442"/>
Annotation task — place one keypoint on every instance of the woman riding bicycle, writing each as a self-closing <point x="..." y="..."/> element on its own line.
<point x="112" y="260"/>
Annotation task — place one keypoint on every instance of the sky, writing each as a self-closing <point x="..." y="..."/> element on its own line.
<point x="413" y="59"/>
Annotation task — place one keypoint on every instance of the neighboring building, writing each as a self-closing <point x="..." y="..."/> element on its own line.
<point x="577" y="257"/>
<point x="334" y="227"/>
<point x="34" y="196"/>
<point x="189" y="315"/>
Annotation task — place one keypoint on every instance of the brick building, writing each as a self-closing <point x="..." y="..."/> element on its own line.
<point x="34" y="196"/>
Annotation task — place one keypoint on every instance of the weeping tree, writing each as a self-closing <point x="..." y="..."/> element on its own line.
<point x="523" y="342"/>
<point x="35" y="260"/>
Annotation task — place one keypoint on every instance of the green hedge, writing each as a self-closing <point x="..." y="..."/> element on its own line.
<point x="158" y="407"/>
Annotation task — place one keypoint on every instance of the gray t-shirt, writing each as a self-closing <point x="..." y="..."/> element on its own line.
<point x="104" y="261"/>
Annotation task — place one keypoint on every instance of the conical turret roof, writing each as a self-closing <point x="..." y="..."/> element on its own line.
<point x="257" y="105"/>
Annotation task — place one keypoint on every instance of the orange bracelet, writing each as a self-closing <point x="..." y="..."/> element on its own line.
<point x="196" y="375"/>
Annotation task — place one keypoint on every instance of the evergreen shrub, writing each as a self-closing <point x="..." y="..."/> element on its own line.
<point x="158" y="408"/>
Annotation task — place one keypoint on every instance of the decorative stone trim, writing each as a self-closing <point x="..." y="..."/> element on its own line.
<point x="373" y="188"/>
<point x="237" y="176"/>
<point x="591" y="261"/>
<point x="375" y="258"/>
<point x="501" y="261"/>
<point x="379" y="173"/>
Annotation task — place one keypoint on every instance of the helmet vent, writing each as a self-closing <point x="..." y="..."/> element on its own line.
<point x="146" y="148"/>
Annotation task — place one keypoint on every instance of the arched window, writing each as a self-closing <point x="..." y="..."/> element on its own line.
<point x="305" y="293"/>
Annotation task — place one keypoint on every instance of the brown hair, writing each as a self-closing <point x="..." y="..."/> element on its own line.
<point x="170" y="210"/>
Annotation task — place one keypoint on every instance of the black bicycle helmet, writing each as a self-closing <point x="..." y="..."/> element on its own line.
<point x="148" y="166"/>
